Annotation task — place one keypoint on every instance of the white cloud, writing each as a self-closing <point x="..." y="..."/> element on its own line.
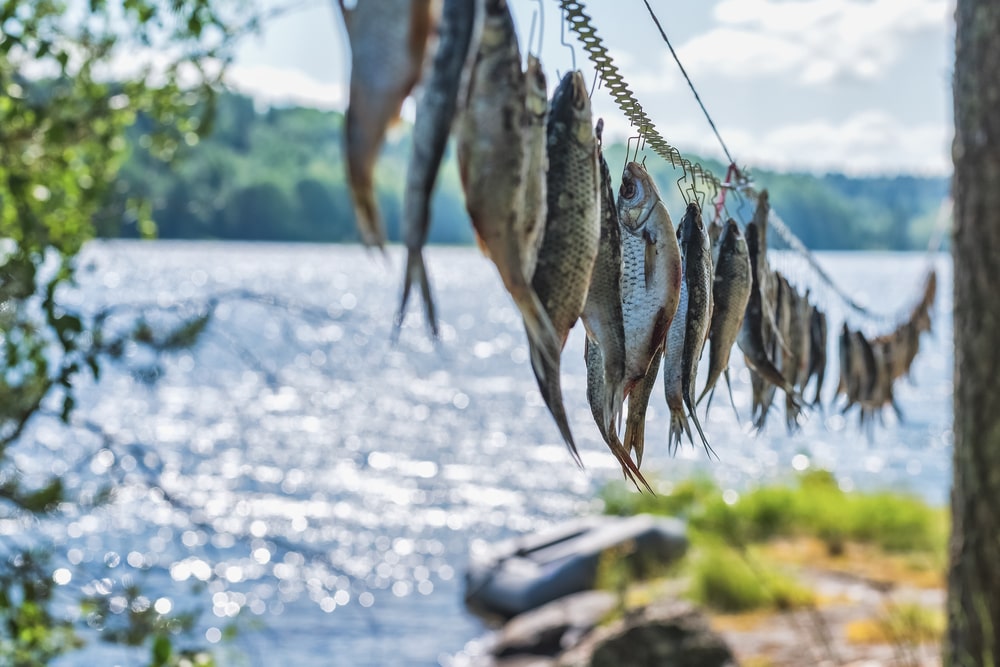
<point x="816" y="41"/>
<point x="869" y="142"/>
<point x="277" y="85"/>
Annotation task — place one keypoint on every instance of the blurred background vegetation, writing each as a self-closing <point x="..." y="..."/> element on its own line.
<point x="277" y="174"/>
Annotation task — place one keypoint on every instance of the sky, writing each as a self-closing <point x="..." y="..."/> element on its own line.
<point x="853" y="86"/>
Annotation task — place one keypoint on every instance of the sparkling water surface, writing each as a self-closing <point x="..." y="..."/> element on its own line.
<point x="298" y="475"/>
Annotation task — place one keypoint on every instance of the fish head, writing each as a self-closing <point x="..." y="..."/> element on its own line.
<point x="571" y="107"/>
<point x="536" y="102"/>
<point x="496" y="23"/>
<point x="732" y="241"/>
<point x="636" y="197"/>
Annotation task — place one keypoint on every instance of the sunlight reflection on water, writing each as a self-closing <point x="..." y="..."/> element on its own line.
<point x="303" y="470"/>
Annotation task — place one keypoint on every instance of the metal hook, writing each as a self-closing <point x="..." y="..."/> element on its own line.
<point x="562" y="39"/>
<point x="628" y="148"/>
<point x="539" y="14"/>
<point x="597" y="82"/>
<point x="683" y="177"/>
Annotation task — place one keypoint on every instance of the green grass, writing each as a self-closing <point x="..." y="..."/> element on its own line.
<point x="725" y="580"/>
<point x="814" y="506"/>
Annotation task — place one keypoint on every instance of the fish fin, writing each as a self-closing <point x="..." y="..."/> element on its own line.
<point x="547" y="376"/>
<point x="416" y="272"/>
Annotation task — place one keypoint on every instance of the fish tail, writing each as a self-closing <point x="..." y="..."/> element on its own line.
<point x="416" y="273"/>
<point x="635" y="433"/>
<point x="612" y="404"/>
<point x="547" y="376"/>
<point x="697" y="424"/>
<point x="678" y="426"/>
<point x="629" y="468"/>
<point x="732" y="401"/>
<point x="713" y="377"/>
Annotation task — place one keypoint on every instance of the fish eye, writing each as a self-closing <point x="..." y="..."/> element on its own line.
<point x="628" y="189"/>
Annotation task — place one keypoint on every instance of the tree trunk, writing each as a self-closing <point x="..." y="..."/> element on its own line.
<point x="974" y="551"/>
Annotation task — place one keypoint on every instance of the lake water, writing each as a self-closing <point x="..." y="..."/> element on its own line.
<point x="300" y="477"/>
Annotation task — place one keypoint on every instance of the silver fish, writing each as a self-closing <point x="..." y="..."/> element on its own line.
<point x="751" y="337"/>
<point x="673" y="371"/>
<point x="602" y="312"/>
<point x="435" y="117"/>
<point x="817" y="350"/>
<point x="572" y="230"/>
<point x="651" y="270"/>
<point x="493" y="167"/>
<point x="652" y="280"/>
<point x="388" y="39"/>
<point x="536" y="113"/>
<point x="698" y="276"/>
<point x="730" y="292"/>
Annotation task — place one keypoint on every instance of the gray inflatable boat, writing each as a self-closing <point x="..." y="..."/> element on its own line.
<point x="522" y="573"/>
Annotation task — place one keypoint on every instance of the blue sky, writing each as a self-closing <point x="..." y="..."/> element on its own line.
<point x="860" y="86"/>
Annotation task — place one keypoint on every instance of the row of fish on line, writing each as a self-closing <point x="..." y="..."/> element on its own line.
<point x="541" y="200"/>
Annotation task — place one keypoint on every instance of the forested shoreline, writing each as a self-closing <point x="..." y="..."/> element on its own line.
<point x="277" y="174"/>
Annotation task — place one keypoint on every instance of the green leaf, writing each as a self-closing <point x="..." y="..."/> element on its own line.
<point x="162" y="650"/>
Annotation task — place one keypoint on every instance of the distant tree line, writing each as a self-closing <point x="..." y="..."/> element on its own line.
<point x="277" y="174"/>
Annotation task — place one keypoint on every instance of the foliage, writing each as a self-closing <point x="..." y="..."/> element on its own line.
<point x="278" y="174"/>
<point x="81" y="85"/>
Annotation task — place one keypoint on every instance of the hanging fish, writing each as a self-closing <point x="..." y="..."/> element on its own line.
<point x="651" y="270"/>
<point x="652" y="279"/>
<point x="791" y="331"/>
<point x="673" y="372"/>
<point x="602" y="312"/>
<point x="730" y="293"/>
<point x="751" y="337"/>
<point x="536" y="113"/>
<point x="388" y="39"/>
<point x="431" y="129"/>
<point x="846" y="351"/>
<point x="572" y="230"/>
<point x="698" y="276"/>
<point x="492" y="165"/>
<point x="817" y="351"/>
